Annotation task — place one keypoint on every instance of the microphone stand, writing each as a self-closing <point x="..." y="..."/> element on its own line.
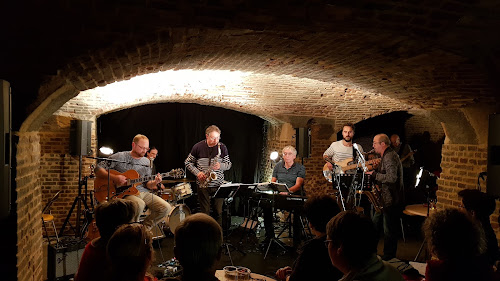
<point x="361" y="160"/>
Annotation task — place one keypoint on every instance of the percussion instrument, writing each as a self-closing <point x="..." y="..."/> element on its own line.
<point x="182" y="191"/>
<point x="174" y="218"/>
<point x="166" y="194"/>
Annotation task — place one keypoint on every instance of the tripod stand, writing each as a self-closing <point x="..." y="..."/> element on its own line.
<point x="79" y="200"/>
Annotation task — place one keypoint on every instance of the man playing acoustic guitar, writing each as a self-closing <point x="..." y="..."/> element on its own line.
<point x="134" y="163"/>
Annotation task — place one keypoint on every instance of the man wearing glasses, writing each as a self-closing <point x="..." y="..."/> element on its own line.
<point x="388" y="175"/>
<point x="208" y="160"/>
<point x="135" y="160"/>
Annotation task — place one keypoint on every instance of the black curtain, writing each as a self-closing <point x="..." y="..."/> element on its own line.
<point x="174" y="128"/>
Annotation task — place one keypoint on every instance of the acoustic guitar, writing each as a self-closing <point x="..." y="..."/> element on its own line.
<point x="133" y="180"/>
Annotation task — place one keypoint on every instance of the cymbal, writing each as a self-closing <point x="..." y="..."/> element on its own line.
<point x="177" y="180"/>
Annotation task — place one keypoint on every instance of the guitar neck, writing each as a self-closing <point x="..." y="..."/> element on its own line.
<point x="354" y="166"/>
<point x="148" y="178"/>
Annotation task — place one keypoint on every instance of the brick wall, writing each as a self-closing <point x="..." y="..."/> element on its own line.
<point x="29" y="206"/>
<point x="461" y="164"/>
<point x="418" y="124"/>
<point x="59" y="170"/>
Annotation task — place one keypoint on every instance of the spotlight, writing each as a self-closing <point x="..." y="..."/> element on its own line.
<point x="106" y="150"/>
<point x="274" y="155"/>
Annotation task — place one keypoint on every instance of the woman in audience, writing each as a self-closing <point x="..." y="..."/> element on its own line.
<point x="480" y="206"/>
<point x="130" y="253"/>
<point x="108" y="216"/>
<point x="313" y="262"/>
<point x="456" y="242"/>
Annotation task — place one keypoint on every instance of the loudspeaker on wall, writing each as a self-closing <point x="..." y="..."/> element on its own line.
<point x="303" y="142"/>
<point x="81" y="137"/>
<point x="5" y="149"/>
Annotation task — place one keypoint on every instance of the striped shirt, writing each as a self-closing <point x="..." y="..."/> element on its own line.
<point x="339" y="152"/>
<point x="202" y="157"/>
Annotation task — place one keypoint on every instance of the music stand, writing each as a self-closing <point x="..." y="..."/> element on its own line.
<point x="227" y="192"/>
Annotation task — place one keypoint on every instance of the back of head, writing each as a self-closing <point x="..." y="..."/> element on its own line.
<point x="130" y="252"/>
<point x="453" y="235"/>
<point x="357" y="236"/>
<point x="481" y="203"/>
<point x="111" y="214"/>
<point x="319" y="210"/>
<point x="198" y="241"/>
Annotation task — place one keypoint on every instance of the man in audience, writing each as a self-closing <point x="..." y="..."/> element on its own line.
<point x="352" y="245"/>
<point x="480" y="206"/>
<point x="130" y="253"/>
<point x="109" y="215"/>
<point x="313" y="262"/>
<point x="198" y="246"/>
<point x="457" y="244"/>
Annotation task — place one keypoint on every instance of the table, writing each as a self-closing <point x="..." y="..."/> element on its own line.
<point x="253" y="276"/>
<point x="418" y="210"/>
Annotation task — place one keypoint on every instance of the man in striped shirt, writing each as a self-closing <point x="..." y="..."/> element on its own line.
<point x="209" y="155"/>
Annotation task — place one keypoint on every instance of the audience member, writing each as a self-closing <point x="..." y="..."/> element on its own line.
<point x="130" y="253"/>
<point x="480" y="206"/>
<point x="198" y="246"/>
<point x="457" y="242"/>
<point x="313" y="262"/>
<point x="352" y="245"/>
<point x="109" y="215"/>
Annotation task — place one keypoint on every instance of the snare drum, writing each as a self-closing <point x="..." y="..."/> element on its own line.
<point x="182" y="190"/>
<point x="176" y="215"/>
<point x="166" y="194"/>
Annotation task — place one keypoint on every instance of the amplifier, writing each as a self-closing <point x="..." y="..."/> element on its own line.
<point x="64" y="258"/>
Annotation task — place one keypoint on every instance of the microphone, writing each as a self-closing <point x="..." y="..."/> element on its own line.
<point x="355" y="145"/>
<point x="371" y="151"/>
<point x="151" y="163"/>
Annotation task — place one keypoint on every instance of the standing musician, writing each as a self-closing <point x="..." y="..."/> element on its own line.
<point x="208" y="160"/>
<point x="388" y="175"/>
<point x="342" y="149"/>
<point x="292" y="174"/>
<point x="135" y="160"/>
<point x="404" y="151"/>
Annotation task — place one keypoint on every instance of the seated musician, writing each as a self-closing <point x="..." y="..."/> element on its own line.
<point x="135" y="160"/>
<point x="292" y="174"/>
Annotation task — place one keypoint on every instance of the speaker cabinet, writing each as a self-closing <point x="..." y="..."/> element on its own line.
<point x="64" y="258"/>
<point x="493" y="172"/>
<point x="303" y="142"/>
<point x="81" y="137"/>
<point x="5" y="149"/>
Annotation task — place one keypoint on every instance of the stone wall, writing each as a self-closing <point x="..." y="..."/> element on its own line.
<point x="461" y="164"/>
<point x="59" y="170"/>
<point x="29" y="206"/>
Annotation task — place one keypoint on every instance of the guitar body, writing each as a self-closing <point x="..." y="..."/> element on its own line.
<point x="343" y="166"/>
<point x="101" y="186"/>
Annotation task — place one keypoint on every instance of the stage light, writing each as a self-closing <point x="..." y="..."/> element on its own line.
<point x="106" y="150"/>
<point x="274" y="155"/>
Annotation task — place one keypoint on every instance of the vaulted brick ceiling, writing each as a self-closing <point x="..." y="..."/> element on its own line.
<point x="312" y="58"/>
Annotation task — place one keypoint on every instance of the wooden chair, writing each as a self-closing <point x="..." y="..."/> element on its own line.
<point x="49" y="217"/>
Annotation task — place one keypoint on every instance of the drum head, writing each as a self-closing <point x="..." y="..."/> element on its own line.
<point x="176" y="215"/>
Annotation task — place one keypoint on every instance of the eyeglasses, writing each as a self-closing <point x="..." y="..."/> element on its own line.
<point x="327" y="242"/>
<point x="377" y="142"/>
<point x="142" y="147"/>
